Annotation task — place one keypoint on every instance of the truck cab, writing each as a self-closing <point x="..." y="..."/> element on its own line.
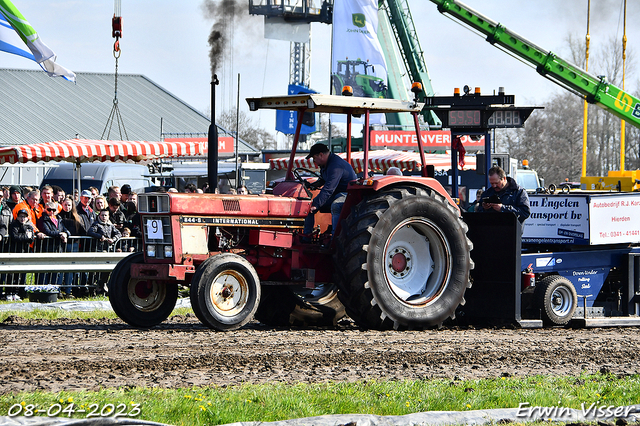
<point x="528" y="178"/>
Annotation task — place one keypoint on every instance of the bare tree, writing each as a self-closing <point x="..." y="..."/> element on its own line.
<point x="632" y="144"/>
<point x="336" y="131"/>
<point x="552" y="140"/>
<point x="247" y="129"/>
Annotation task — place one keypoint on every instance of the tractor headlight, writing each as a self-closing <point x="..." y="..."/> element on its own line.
<point x="151" y="250"/>
<point x="168" y="251"/>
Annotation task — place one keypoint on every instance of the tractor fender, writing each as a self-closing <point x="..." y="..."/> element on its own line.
<point x="359" y="189"/>
<point x="378" y="183"/>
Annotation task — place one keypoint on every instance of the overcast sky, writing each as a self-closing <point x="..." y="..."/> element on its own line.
<point x="167" y="42"/>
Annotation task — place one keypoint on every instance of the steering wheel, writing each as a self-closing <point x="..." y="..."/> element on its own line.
<point x="305" y="184"/>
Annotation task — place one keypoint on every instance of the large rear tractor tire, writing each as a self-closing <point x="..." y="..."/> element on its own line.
<point x="140" y="303"/>
<point x="557" y="300"/>
<point x="283" y="306"/>
<point x="225" y="292"/>
<point x="403" y="260"/>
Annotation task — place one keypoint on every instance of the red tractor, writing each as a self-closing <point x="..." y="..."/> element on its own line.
<point x="399" y="258"/>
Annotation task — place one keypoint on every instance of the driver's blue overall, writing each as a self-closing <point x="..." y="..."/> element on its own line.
<point x="337" y="174"/>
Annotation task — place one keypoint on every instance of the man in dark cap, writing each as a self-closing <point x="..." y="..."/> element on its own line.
<point x="124" y="193"/>
<point x="22" y="232"/>
<point x="336" y="174"/>
<point x="85" y="212"/>
<point x="15" y="197"/>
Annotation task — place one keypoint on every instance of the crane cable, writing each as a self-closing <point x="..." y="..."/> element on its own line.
<point x="585" y="107"/>
<point x="624" y="63"/>
<point x="116" y="32"/>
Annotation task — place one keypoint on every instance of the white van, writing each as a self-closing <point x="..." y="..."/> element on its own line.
<point x="100" y="175"/>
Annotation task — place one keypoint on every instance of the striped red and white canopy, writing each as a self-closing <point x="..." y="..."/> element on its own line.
<point x="381" y="160"/>
<point x="88" y="150"/>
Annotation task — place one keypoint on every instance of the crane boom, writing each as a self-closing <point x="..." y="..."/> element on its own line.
<point x="409" y="49"/>
<point x="594" y="89"/>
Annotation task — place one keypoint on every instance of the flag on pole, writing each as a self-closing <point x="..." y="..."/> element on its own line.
<point x="357" y="56"/>
<point x="12" y="19"/>
<point x="357" y="59"/>
<point x="10" y="41"/>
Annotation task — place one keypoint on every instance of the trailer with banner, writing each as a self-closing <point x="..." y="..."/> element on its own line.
<point x="577" y="263"/>
<point x="577" y="260"/>
<point x="574" y="260"/>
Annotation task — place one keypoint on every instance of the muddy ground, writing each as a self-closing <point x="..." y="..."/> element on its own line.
<point x="93" y="354"/>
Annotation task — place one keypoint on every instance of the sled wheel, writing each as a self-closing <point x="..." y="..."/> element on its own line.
<point x="557" y="299"/>
<point x="282" y="306"/>
<point x="140" y="303"/>
<point x="225" y="292"/>
<point x="276" y="305"/>
<point x="403" y="260"/>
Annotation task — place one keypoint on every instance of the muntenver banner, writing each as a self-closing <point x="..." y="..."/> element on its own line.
<point x="225" y="143"/>
<point x="431" y="140"/>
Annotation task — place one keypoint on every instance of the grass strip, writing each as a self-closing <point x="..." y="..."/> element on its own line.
<point x="278" y="401"/>
<point x="54" y="314"/>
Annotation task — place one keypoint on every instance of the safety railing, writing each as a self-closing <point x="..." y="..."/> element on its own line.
<point x="80" y="266"/>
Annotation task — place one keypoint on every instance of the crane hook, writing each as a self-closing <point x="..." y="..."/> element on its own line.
<point x="116" y="32"/>
<point x="116" y="27"/>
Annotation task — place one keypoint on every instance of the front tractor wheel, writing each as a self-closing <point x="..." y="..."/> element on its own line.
<point x="225" y="292"/>
<point x="403" y="261"/>
<point x="142" y="303"/>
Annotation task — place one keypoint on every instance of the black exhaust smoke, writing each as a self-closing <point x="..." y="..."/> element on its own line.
<point x="224" y="14"/>
<point x="212" y="141"/>
<point x="221" y="12"/>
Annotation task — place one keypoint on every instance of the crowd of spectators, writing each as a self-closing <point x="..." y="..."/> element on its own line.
<point x="49" y="220"/>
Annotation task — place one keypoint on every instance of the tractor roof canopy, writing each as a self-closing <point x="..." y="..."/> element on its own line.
<point x="334" y="104"/>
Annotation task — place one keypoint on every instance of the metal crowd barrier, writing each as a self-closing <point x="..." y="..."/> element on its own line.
<point x="83" y="263"/>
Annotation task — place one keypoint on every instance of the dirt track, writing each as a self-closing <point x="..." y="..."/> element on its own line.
<point x="76" y="354"/>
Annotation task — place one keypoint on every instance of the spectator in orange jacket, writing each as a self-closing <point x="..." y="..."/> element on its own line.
<point x="33" y="208"/>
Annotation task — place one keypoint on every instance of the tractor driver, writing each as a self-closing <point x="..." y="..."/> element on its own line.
<point x="336" y="174"/>
<point x="505" y="195"/>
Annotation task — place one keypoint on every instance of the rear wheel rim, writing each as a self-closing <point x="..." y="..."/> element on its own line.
<point x="228" y="293"/>
<point x="146" y="295"/>
<point x="417" y="263"/>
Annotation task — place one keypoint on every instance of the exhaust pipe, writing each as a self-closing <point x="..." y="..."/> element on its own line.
<point x="212" y="141"/>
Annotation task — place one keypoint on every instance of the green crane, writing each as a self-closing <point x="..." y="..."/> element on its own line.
<point x="594" y="89"/>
